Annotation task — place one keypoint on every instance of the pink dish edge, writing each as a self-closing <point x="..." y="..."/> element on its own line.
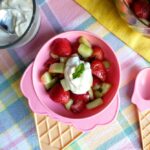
<point x="37" y="107"/>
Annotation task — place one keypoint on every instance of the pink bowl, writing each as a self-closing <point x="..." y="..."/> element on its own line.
<point x="55" y="109"/>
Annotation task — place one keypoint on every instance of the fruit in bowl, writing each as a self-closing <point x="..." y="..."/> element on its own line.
<point x="76" y="76"/>
<point x="76" y="72"/>
<point x="136" y="13"/>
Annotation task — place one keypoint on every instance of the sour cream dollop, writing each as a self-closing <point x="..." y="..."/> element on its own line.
<point x="82" y="84"/>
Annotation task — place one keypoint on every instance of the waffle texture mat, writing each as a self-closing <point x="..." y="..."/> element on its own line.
<point x="144" y="118"/>
<point x="54" y="135"/>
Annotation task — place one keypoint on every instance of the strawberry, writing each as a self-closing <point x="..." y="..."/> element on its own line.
<point x="58" y="94"/>
<point x="82" y="97"/>
<point x="61" y="47"/>
<point x="97" y="53"/>
<point x="78" y="106"/>
<point x="49" y="62"/>
<point x="128" y="1"/>
<point x="75" y="46"/>
<point x="141" y="9"/>
<point x="98" y="69"/>
<point x="96" y="81"/>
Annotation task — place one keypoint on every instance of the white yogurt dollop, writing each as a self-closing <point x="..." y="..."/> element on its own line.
<point x="19" y="12"/>
<point x="82" y="84"/>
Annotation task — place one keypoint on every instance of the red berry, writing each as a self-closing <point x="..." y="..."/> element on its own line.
<point x="97" y="53"/>
<point x="49" y="62"/>
<point x="75" y="46"/>
<point x="82" y="97"/>
<point x="98" y="69"/>
<point x="78" y="107"/>
<point x="58" y="94"/>
<point x="96" y="81"/>
<point x="61" y="47"/>
<point x="128" y="1"/>
<point x="141" y="9"/>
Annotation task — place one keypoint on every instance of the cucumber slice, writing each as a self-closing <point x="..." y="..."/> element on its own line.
<point x="64" y="85"/>
<point x="105" y="87"/>
<point x="47" y="80"/>
<point x="85" y="51"/>
<point x="68" y="105"/>
<point x="98" y="94"/>
<point x="96" y="87"/>
<point x="91" y="94"/>
<point x="83" y="40"/>
<point x="106" y="64"/>
<point x="95" y="103"/>
<point x="63" y="59"/>
<point x="51" y="84"/>
<point x="54" y="56"/>
<point x="57" y="68"/>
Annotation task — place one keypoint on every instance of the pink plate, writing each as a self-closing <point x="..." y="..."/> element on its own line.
<point x="56" y="110"/>
<point x="107" y="116"/>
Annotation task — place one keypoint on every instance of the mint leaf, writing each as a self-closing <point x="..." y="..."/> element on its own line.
<point x="78" y="71"/>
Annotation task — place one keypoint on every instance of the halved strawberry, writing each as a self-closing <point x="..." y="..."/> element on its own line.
<point x="58" y="94"/>
<point x="97" y="53"/>
<point x="78" y="107"/>
<point x="96" y="81"/>
<point x="98" y="69"/>
<point x="61" y="47"/>
<point x="82" y="97"/>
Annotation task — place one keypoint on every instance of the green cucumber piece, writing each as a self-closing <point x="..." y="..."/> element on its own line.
<point x="57" y="68"/>
<point x="95" y="103"/>
<point x="85" y="51"/>
<point x="63" y="59"/>
<point x="96" y="87"/>
<point x="83" y="40"/>
<point x="98" y="94"/>
<point x="105" y="87"/>
<point x="51" y="84"/>
<point x="64" y="85"/>
<point x="54" y="56"/>
<point x="47" y="80"/>
<point x="68" y="105"/>
<point x="106" y="64"/>
<point x="91" y="95"/>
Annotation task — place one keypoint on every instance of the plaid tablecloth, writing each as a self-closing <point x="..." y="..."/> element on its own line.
<point x="17" y="129"/>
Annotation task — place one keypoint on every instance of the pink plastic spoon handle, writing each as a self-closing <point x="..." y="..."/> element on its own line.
<point x="28" y="91"/>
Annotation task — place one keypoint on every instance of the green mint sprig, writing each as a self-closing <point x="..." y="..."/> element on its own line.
<point x="78" y="71"/>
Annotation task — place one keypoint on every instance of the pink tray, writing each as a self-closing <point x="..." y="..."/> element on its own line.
<point x="85" y="124"/>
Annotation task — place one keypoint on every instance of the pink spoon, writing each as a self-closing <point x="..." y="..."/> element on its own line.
<point x="141" y="94"/>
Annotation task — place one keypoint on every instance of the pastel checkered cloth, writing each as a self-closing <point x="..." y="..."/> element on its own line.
<point x="17" y="129"/>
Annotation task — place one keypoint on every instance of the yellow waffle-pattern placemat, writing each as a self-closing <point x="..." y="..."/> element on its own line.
<point x="106" y="14"/>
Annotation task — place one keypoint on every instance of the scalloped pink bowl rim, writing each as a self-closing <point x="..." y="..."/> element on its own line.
<point x="49" y="105"/>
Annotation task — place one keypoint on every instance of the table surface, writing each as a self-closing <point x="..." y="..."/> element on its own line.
<point x="17" y="128"/>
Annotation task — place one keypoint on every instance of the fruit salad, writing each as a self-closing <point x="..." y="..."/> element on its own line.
<point x="141" y="8"/>
<point x="75" y="75"/>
